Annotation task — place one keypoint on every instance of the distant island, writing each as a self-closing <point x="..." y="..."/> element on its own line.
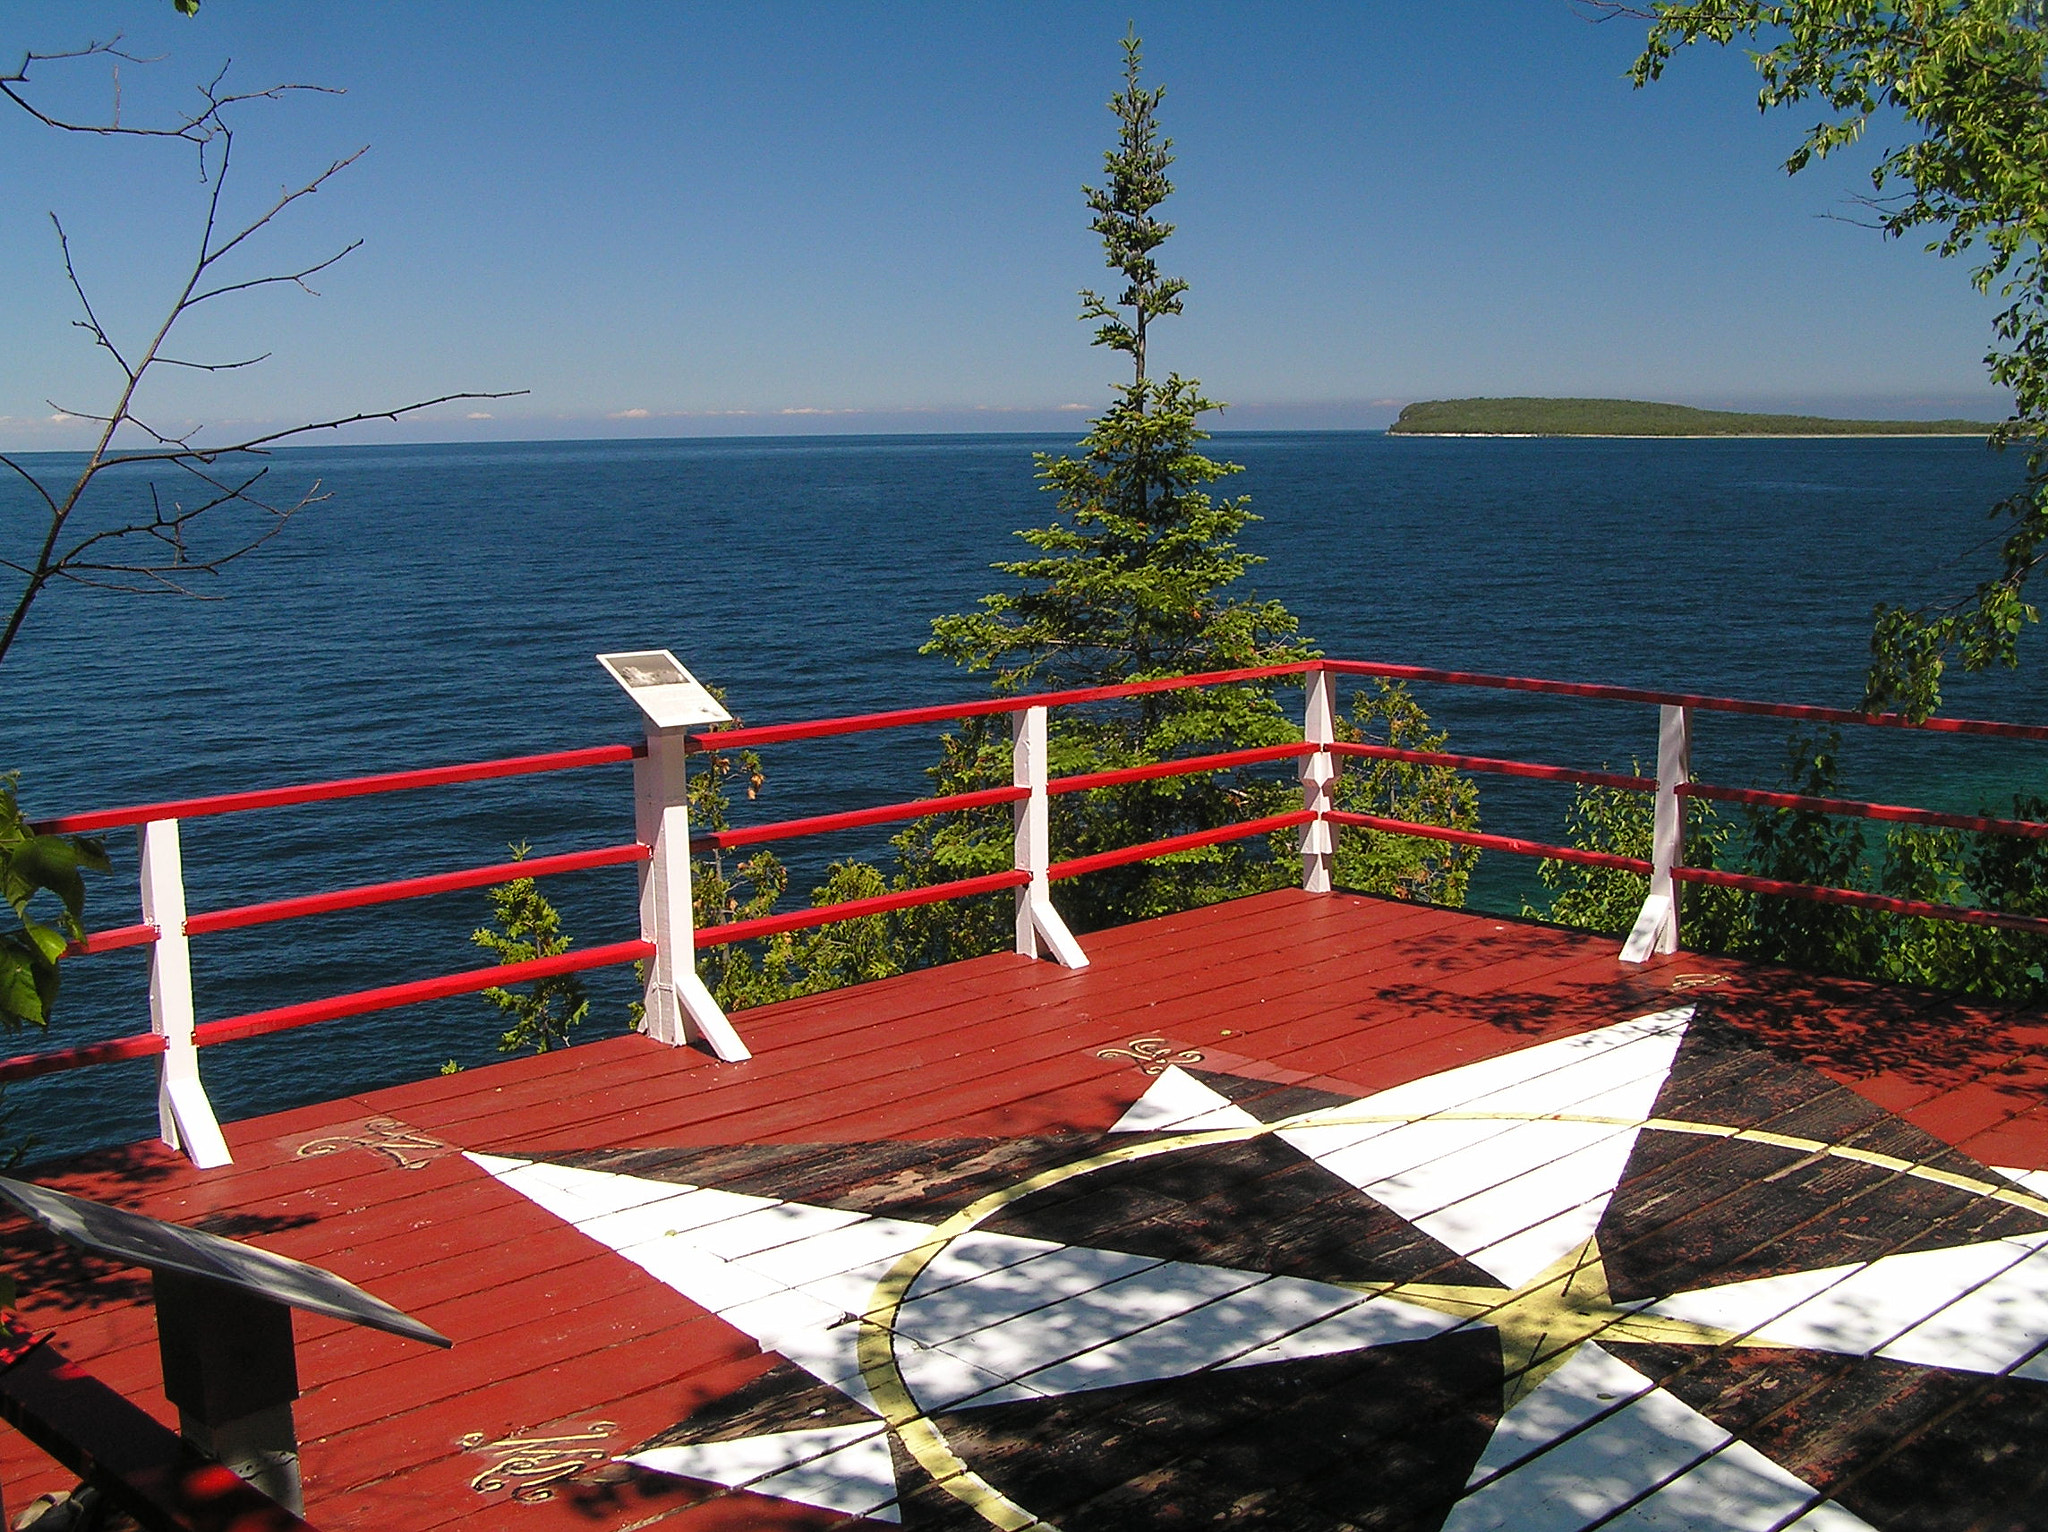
<point x="1636" y="417"/>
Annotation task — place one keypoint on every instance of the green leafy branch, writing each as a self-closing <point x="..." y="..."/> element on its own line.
<point x="35" y="869"/>
<point x="1970" y="77"/>
<point x="527" y="926"/>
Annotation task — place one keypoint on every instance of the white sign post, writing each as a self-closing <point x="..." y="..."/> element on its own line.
<point x="671" y="702"/>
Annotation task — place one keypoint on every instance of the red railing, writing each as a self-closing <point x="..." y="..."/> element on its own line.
<point x="347" y="787"/>
<point x="1487" y="842"/>
<point x="1691" y="701"/>
<point x="1021" y="796"/>
<point x="1820" y="893"/>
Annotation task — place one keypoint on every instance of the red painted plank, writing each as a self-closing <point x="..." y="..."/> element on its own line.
<point x="825" y="824"/>
<point x="347" y="787"/>
<point x="1496" y="766"/>
<point x="408" y="888"/>
<point x="284" y="1018"/>
<point x="1688" y="700"/>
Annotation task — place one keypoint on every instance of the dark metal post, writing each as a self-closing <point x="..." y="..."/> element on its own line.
<point x="229" y="1368"/>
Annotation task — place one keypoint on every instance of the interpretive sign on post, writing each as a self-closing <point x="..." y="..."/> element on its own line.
<point x="668" y="694"/>
<point x="671" y="700"/>
<point x="224" y="1326"/>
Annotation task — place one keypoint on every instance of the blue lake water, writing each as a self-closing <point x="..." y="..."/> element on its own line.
<point x="445" y="602"/>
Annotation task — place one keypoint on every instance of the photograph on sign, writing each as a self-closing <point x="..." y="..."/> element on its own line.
<point x="656" y="669"/>
<point x="664" y="691"/>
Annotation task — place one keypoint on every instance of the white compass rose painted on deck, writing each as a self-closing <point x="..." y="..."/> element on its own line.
<point x="1624" y="1279"/>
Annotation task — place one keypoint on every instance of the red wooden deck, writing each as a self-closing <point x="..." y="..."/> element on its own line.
<point x="1867" y="1116"/>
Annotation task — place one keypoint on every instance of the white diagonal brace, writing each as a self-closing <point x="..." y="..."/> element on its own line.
<point x="675" y="997"/>
<point x="1040" y="930"/>
<point x="185" y="1117"/>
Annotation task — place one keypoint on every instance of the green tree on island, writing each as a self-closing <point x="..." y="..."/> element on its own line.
<point x="1968" y="77"/>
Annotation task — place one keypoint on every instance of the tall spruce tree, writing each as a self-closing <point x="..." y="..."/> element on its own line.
<point x="1133" y="579"/>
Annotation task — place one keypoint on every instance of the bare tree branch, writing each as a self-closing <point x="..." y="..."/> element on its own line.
<point x="285" y="200"/>
<point x="1597" y="11"/>
<point x="33" y="483"/>
<point x="296" y="278"/>
<point x="270" y="438"/>
<point x="157" y="553"/>
<point x="92" y="320"/>
<point x="198" y="128"/>
<point x="172" y="361"/>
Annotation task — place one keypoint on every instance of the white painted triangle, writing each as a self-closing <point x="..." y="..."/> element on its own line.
<point x="1597" y="1436"/>
<point x="994" y="1317"/>
<point x="791" y="1275"/>
<point x="1177" y="1102"/>
<point x="836" y="1468"/>
<point x="2035" y="1181"/>
<point x="1977" y="1308"/>
<point x="1468" y="1157"/>
<point x="1076" y="1318"/>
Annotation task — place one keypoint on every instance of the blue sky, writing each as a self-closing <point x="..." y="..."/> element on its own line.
<point x="670" y="219"/>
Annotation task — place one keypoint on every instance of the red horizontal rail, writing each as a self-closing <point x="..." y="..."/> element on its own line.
<point x="1147" y="850"/>
<point x="1491" y="842"/>
<point x="1686" y="699"/>
<point x="947" y="712"/>
<point x="112" y="941"/>
<point x="1187" y="766"/>
<point x="1501" y="767"/>
<point x="347" y="787"/>
<point x="1822" y="894"/>
<point x="855" y="909"/>
<point x="410" y="888"/>
<point x="256" y="1023"/>
<point x="2026" y="828"/>
<point x="27" y="1066"/>
<point x="821" y="824"/>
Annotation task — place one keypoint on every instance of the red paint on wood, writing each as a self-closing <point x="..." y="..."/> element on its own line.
<point x="822" y="824"/>
<point x="91" y="1429"/>
<point x="1172" y="843"/>
<point x="1497" y="766"/>
<point x="1687" y="700"/>
<point x="1824" y="895"/>
<point x="347" y="787"/>
<point x="256" y="1023"/>
<point x="1353" y="992"/>
<point x="2025" y="828"/>
<point x="411" y="888"/>
<point x="26" y="1066"/>
<point x="1187" y="766"/>
<point x="112" y="941"/>
<point x="855" y="909"/>
<point x="980" y="707"/>
<point x="1490" y="842"/>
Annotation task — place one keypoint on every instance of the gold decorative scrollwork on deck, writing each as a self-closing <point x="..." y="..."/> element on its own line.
<point x="530" y="1466"/>
<point x="406" y="1147"/>
<point x="1154" y="1053"/>
<point x="1685" y="981"/>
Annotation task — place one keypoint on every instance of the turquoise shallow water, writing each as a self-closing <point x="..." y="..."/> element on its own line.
<point x="445" y="602"/>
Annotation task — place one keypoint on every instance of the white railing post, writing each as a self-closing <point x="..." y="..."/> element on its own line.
<point x="184" y="1116"/>
<point x="1656" y="928"/>
<point x="675" y="997"/>
<point x="1040" y="931"/>
<point x="1318" y="778"/>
